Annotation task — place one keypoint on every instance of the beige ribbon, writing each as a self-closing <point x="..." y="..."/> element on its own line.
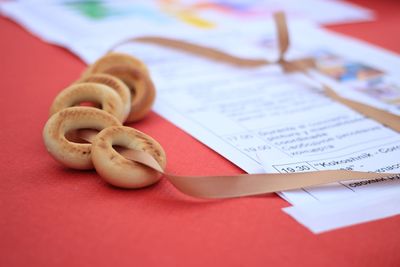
<point x="239" y="185"/>
<point x="255" y="184"/>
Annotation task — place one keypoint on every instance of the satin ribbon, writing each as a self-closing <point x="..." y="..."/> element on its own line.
<point x="254" y="184"/>
<point x="239" y="185"/>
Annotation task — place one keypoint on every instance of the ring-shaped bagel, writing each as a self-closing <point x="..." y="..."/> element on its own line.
<point x="115" y="59"/>
<point x="75" y="94"/>
<point x="71" y="154"/>
<point x="113" y="82"/>
<point x="135" y="75"/>
<point x="116" y="169"/>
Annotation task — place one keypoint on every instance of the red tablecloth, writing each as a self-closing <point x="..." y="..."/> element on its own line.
<point x="51" y="216"/>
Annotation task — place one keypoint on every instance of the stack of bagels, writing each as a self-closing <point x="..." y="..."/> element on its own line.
<point x="116" y="89"/>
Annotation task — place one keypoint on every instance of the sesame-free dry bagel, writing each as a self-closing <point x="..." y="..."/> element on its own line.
<point x="113" y="82"/>
<point x="71" y="154"/>
<point x="100" y="94"/>
<point x="114" y="58"/>
<point x="134" y="74"/>
<point x="116" y="169"/>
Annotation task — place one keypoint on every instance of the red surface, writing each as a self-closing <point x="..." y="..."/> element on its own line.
<point x="51" y="216"/>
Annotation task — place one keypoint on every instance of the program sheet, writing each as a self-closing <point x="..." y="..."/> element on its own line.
<point x="266" y="120"/>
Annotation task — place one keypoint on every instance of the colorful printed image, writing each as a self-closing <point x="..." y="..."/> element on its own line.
<point x="381" y="90"/>
<point x="233" y="8"/>
<point x="188" y="12"/>
<point x="359" y="77"/>
<point x="98" y="10"/>
<point x="344" y="70"/>
<point x="92" y="9"/>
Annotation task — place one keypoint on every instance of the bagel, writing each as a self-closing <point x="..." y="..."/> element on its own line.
<point x="134" y="74"/>
<point x="72" y="154"/>
<point x="101" y="94"/>
<point x="116" y="169"/>
<point x="114" y="83"/>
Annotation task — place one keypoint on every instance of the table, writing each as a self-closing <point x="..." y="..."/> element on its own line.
<point x="52" y="216"/>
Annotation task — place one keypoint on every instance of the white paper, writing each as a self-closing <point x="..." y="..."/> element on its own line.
<point x="321" y="217"/>
<point x="90" y="28"/>
<point x="254" y="118"/>
<point x="243" y="114"/>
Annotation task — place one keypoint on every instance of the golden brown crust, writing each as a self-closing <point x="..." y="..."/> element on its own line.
<point x="101" y="94"/>
<point x="116" y="84"/>
<point x="71" y="154"/>
<point x="116" y="169"/>
<point x="134" y="74"/>
<point x="116" y="59"/>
